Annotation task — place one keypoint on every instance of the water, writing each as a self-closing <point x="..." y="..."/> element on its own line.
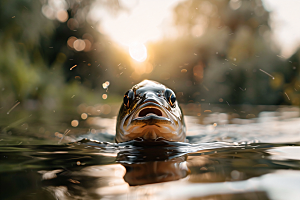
<point x="255" y="158"/>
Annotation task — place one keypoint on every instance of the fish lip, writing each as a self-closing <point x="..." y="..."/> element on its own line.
<point x="151" y="120"/>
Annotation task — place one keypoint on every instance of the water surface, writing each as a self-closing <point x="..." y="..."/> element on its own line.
<point x="256" y="159"/>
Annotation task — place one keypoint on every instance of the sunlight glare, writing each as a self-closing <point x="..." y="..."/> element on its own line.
<point x="138" y="51"/>
<point x="146" y="21"/>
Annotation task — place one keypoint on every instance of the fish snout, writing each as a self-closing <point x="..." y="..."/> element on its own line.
<point x="158" y="99"/>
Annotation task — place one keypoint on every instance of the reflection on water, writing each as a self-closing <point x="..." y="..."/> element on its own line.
<point x="136" y="170"/>
<point x="155" y="171"/>
<point x="153" y="163"/>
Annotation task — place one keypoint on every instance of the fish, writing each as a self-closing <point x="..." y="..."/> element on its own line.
<point x="150" y="112"/>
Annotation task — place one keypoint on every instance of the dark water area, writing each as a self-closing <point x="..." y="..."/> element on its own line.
<point x="89" y="169"/>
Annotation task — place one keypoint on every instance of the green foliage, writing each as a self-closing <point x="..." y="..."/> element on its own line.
<point x="31" y="65"/>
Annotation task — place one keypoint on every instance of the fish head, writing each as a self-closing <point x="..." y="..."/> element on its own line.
<point x="150" y="111"/>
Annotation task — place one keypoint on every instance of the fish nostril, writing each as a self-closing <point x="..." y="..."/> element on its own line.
<point x="153" y="111"/>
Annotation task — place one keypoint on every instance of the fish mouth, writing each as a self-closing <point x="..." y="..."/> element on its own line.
<point x="150" y="114"/>
<point x="149" y="111"/>
<point x="151" y="122"/>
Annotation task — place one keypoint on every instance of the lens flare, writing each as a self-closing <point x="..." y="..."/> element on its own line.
<point x="138" y="52"/>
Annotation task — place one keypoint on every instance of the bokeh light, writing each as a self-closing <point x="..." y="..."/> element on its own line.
<point x="104" y="96"/>
<point x="74" y="123"/>
<point x="84" y="116"/>
<point x="73" y="24"/>
<point x="105" y="84"/>
<point x="79" y="45"/>
<point x="71" y="41"/>
<point x="88" y="45"/>
<point x="106" y="109"/>
<point x="62" y="16"/>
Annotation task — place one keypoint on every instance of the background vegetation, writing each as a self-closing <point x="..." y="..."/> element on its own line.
<point x="223" y="54"/>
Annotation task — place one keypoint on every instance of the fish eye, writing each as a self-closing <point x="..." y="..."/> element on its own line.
<point x="170" y="96"/>
<point x="172" y="100"/>
<point x="126" y="101"/>
<point x="128" y="97"/>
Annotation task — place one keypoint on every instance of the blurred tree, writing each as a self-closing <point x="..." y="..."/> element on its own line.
<point x="292" y="87"/>
<point x="22" y="26"/>
<point x="86" y="54"/>
<point x="223" y="53"/>
<point x="42" y="42"/>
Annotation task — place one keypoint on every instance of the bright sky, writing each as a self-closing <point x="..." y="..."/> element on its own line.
<point x="285" y="16"/>
<point x="143" y="22"/>
<point x="148" y="19"/>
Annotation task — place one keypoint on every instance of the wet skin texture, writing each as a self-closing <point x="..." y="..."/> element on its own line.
<point x="150" y="112"/>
